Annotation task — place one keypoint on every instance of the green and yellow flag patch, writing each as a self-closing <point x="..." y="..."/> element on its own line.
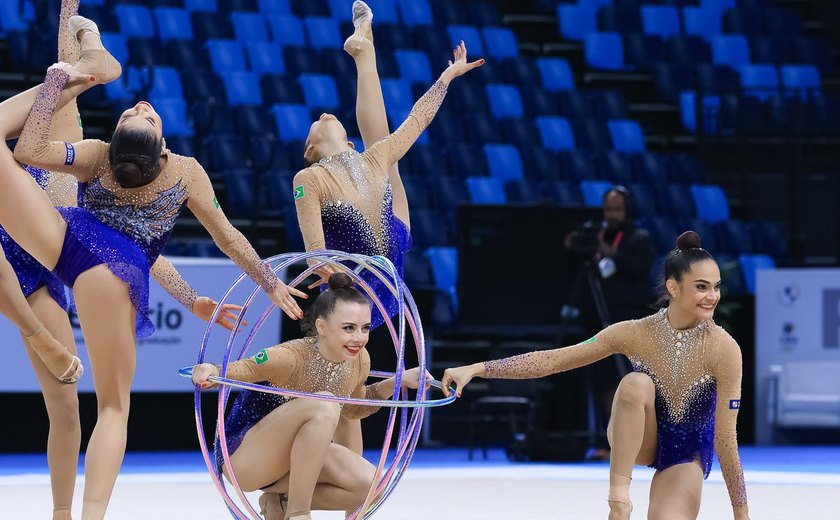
<point x="261" y="357"/>
<point x="299" y="193"/>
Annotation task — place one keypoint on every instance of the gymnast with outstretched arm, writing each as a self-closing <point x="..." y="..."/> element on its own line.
<point x="135" y="189"/>
<point x="285" y="446"/>
<point x="678" y="405"/>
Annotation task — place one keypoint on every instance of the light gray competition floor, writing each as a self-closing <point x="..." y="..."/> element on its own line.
<point x="783" y="484"/>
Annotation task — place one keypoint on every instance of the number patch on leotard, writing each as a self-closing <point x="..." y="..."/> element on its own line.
<point x="734" y="404"/>
<point x="261" y="357"/>
<point x="299" y="192"/>
<point x="70" y="154"/>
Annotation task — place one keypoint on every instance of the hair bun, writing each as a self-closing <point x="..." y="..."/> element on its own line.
<point x="128" y="173"/>
<point x="340" y="281"/>
<point x="688" y="240"/>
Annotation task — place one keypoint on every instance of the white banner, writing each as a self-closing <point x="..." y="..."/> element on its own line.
<point x="175" y="342"/>
<point x="797" y="323"/>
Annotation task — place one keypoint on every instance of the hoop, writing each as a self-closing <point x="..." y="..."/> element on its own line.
<point x="411" y="411"/>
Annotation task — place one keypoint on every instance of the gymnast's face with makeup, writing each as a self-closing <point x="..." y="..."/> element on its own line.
<point x="327" y="136"/>
<point x="142" y="117"/>
<point x="344" y="332"/>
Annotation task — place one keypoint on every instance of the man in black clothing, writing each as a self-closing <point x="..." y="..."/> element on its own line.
<point x="625" y="258"/>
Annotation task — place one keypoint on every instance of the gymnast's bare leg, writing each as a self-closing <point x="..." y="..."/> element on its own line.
<point x="29" y="217"/>
<point x="632" y="437"/>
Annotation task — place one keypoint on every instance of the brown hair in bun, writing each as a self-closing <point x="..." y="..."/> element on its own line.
<point x="679" y="261"/>
<point x="341" y="288"/>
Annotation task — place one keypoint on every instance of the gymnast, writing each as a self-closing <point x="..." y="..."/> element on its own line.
<point x="284" y="446"/>
<point x="678" y="405"/>
<point x="137" y="188"/>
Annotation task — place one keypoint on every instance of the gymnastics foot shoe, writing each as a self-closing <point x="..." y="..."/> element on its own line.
<point x="361" y="41"/>
<point x="273" y="505"/>
<point x="66" y="367"/>
<point x="95" y="59"/>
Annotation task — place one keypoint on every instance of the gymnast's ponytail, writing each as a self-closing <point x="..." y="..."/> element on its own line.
<point x="134" y="156"/>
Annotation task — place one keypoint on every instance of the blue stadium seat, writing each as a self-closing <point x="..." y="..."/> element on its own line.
<point x="564" y="193"/>
<point x="486" y="190"/>
<point x="467" y="160"/>
<point x="538" y="101"/>
<point x="206" y="6"/>
<point x="521" y="72"/>
<point x="429" y="228"/>
<point x="688" y="50"/>
<point x="468" y="99"/>
<point x="556" y="74"/>
<point x="293" y="121"/>
<point x="579" y="165"/>
<point x="394" y="37"/>
<point x="274" y="7"/>
<point x="609" y="104"/>
<point x="504" y="162"/>
<point x="770" y="238"/>
<point x="119" y="90"/>
<point x="719" y="5"/>
<point x="418" y="271"/>
<point x="450" y="13"/>
<point x="505" y="101"/>
<point x="413" y="65"/>
<point x="701" y="21"/>
<point x="135" y="20"/>
<point x="265" y="58"/>
<point x="815" y="51"/>
<point x="164" y="83"/>
<point x="501" y="42"/>
<point x="415" y="12"/>
<point x="471" y="38"/>
<point x="731" y="50"/>
<point x="803" y="80"/>
<point x="446" y="128"/>
<point x="426" y="161"/>
<point x="614" y="167"/>
<point x="117" y="45"/>
<point x="416" y="191"/>
<point x="759" y="81"/>
<point x="485" y="13"/>
<point x="481" y="128"/>
<point x="622" y="19"/>
<point x="323" y="33"/>
<point x="651" y="169"/>
<point x="661" y="20"/>
<point x="208" y="26"/>
<point x="287" y="30"/>
<point x="267" y="153"/>
<point x="249" y="27"/>
<point x="253" y="120"/>
<point x="301" y="60"/>
<point x="593" y="192"/>
<point x="435" y="41"/>
<point x="226" y="56"/>
<point x="397" y="95"/>
<point x="240" y="187"/>
<point x="604" y="50"/>
<point x="748" y="22"/>
<point x="575" y="104"/>
<point x="685" y="169"/>
<point x="223" y="152"/>
<point x="752" y="263"/>
<point x="280" y="89"/>
<point x="645" y="200"/>
<point x="676" y="201"/>
<point x="520" y="132"/>
<point x="305" y="8"/>
<point x="775" y="50"/>
<point x="710" y="202"/>
<point x="734" y="237"/>
<point x="146" y="52"/>
<point x="576" y="21"/>
<point x="209" y="117"/>
<point x="592" y="133"/>
<point x="243" y="88"/>
<point x="444" y="262"/>
<point x="173" y="24"/>
<point x="173" y="115"/>
<point x="627" y="136"/>
<point x="12" y="17"/>
<point x="643" y="51"/>
<point x="182" y="145"/>
<point x="556" y="133"/>
<point x="664" y="233"/>
<point x="717" y="79"/>
<point x="524" y="192"/>
<point x="186" y="54"/>
<point x="783" y="22"/>
<point x="319" y="91"/>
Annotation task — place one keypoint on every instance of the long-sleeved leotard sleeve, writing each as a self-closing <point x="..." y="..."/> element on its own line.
<point x="727" y="374"/>
<point x="276" y="364"/>
<point x="82" y="159"/>
<point x="202" y="202"/>
<point x="362" y="391"/>
<point x="171" y="280"/>
<point x="308" y="205"/>
<point x="392" y="148"/>
<point x="611" y="340"/>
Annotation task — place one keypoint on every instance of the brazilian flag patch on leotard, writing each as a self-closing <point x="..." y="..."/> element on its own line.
<point x="590" y="340"/>
<point x="299" y="192"/>
<point x="261" y="357"/>
<point x="216" y="202"/>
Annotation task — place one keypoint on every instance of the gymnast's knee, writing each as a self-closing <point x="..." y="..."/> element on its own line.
<point x="636" y="387"/>
<point x="324" y="411"/>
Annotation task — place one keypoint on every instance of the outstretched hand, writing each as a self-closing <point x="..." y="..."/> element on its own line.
<point x="459" y="65"/>
<point x="281" y="296"/>
<point x="459" y="378"/>
<point x="411" y="379"/>
<point x="203" y="307"/>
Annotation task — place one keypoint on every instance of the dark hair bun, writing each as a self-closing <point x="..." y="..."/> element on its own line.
<point x="340" y="281"/>
<point x="688" y="240"/>
<point x="128" y="174"/>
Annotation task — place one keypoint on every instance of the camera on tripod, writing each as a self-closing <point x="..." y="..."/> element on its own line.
<point x="584" y="240"/>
